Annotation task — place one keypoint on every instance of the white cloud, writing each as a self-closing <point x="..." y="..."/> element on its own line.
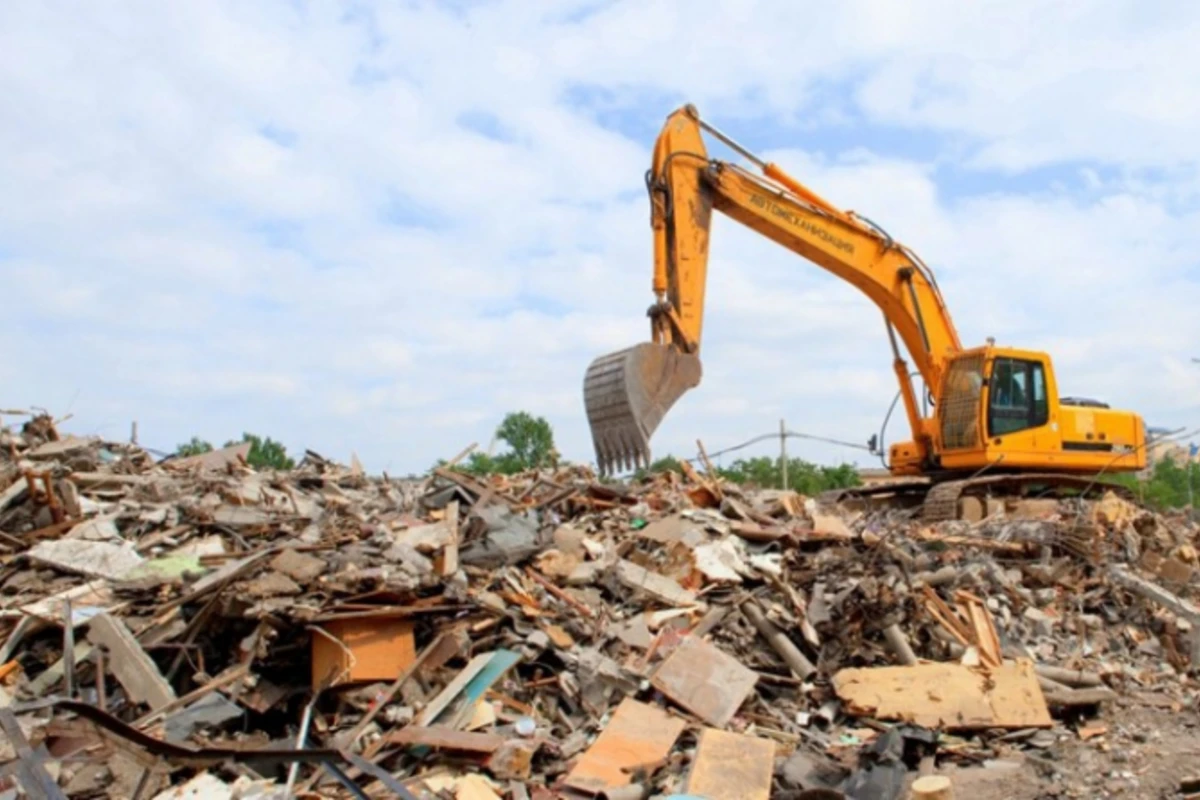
<point x="379" y="230"/>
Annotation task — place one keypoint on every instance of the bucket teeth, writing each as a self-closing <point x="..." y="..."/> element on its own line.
<point x="626" y="394"/>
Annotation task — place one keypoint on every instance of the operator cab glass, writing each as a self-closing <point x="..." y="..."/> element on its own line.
<point x="1017" y="391"/>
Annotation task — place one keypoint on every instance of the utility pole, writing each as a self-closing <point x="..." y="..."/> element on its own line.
<point x="1191" y="465"/>
<point x="783" y="459"/>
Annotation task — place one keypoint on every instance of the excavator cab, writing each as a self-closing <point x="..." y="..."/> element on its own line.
<point x="627" y="394"/>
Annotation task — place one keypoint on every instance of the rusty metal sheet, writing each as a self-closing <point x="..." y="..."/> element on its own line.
<point x="732" y="766"/>
<point x="706" y="681"/>
<point x="638" y="734"/>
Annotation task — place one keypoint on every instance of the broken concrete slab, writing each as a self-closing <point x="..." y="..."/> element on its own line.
<point x="88" y="558"/>
<point x="62" y="447"/>
<point x="511" y="539"/>
<point x="298" y="566"/>
<point x="240" y="516"/>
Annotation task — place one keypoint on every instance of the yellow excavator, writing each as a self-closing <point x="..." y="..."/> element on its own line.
<point x="997" y="420"/>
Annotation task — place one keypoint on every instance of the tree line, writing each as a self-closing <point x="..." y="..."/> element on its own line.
<point x="1168" y="484"/>
<point x="265" y="453"/>
<point x="529" y="444"/>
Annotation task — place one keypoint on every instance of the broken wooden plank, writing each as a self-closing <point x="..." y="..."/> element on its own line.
<point x="61" y="447"/>
<point x="827" y="527"/>
<point x="714" y="478"/>
<point x="241" y="516"/>
<point x="129" y="663"/>
<point x="949" y="696"/>
<point x="559" y="593"/>
<point x="1155" y="593"/>
<point x="93" y="480"/>
<point x="660" y="587"/>
<point x="705" y="680"/>
<point x="732" y="765"/>
<point x="14" y="491"/>
<point x="637" y="735"/>
<point x="450" y="552"/>
<point x="445" y="738"/>
<point x="468" y="686"/>
<point x="214" y="459"/>
<point x="753" y="532"/>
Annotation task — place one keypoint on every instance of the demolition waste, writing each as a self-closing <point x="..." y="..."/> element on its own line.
<point x="193" y="628"/>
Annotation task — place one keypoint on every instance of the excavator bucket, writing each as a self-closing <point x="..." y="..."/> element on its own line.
<point x="627" y="393"/>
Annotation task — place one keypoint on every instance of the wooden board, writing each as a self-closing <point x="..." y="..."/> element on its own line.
<point x="731" y="766"/>
<point x="705" y="680"/>
<point x="949" y="696"/>
<point x="445" y="738"/>
<point x="370" y="649"/>
<point x="133" y="669"/>
<point x="638" y="734"/>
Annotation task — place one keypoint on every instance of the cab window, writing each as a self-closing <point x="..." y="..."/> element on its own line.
<point x="1017" y="392"/>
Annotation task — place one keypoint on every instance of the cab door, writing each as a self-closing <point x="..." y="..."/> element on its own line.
<point x="1019" y="409"/>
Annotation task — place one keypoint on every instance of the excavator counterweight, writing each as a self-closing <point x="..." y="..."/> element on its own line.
<point x="627" y="393"/>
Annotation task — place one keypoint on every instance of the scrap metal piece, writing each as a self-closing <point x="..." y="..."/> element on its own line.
<point x="627" y="394"/>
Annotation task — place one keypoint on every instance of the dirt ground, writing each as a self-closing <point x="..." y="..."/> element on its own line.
<point x="1145" y="753"/>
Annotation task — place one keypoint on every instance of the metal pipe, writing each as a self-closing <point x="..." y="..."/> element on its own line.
<point x="731" y="144"/>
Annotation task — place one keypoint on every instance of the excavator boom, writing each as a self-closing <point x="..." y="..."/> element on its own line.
<point x="627" y="393"/>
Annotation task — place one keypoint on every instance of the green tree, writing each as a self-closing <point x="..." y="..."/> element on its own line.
<point x="664" y="464"/>
<point x="196" y="446"/>
<point x="1166" y="485"/>
<point x="803" y="476"/>
<point x="530" y="439"/>
<point x="265" y="453"/>
<point x="530" y="443"/>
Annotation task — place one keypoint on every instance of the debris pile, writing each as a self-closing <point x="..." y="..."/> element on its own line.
<point x="192" y="625"/>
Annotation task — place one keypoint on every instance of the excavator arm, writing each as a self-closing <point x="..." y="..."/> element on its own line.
<point x="627" y="393"/>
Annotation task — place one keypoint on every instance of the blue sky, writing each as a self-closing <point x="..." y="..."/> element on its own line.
<point x="378" y="231"/>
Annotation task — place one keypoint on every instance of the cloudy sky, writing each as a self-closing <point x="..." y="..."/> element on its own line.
<point x="378" y="227"/>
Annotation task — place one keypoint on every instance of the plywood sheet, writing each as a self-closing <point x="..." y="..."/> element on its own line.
<point x="705" y="680"/>
<point x="951" y="696"/>
<point x="732" y="766"/>
<point x="638" y="734"/>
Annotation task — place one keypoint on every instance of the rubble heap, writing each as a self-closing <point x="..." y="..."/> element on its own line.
<point x="192" y="625"/>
